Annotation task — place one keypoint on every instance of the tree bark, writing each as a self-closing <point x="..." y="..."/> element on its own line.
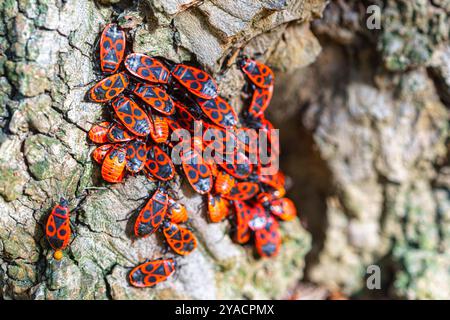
<point x="363" y="115"/>
<point x="371" y="116"/>
<point x="47" y="65"/>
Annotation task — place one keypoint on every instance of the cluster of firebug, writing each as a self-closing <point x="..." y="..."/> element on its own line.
<point x="149" y="97"/>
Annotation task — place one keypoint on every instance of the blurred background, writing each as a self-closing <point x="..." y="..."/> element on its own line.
<point x="365" y="141"/>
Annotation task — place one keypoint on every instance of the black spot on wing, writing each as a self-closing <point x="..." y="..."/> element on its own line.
<point x="159" y="270"/>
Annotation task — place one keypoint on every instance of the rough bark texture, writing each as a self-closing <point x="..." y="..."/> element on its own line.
<point x="364" y="138"/>
<point x="46" y="66"/>
<point x="372" y="172"/>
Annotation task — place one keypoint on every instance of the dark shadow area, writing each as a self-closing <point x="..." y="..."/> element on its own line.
<point x="309" y="180"/>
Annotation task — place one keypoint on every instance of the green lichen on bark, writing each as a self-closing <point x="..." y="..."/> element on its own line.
<point x="46" y="66"/>
<point x="412" y="31"/>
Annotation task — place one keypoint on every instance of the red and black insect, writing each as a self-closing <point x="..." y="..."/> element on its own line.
<point x="136" y="156"/>
<point x="198" y="145"/>
<point x="283" y="208"/>
<point x="113" y="167"/>
<point x="212" y="166"/>
<point x="260" y="101"/>
<point x="243" y="216"/>
<point x="217" y="208"/>
<point x="159" y="130"/>
<point x="177" y="211"/>
<point x="112" y="48"/>
<point x="279" y="193"/>
<point x="270" y="134"/>
<point x="197" y="171"/>
<point x="242" y="191"/>
<point x="151" y="273"/>
<point x="57" y="230"/>
<point x="100" y="152"/>
<point x="247" y="139"/>
<point x="269" y="129"/>
<point x="159" y="164"/>
<point x="117" y="133"/>
<point x="219" y="140"/>
<point x="109" y="87"/>
<point x="184" y="117"/>
<point x="258" y="218"/>
<point x="99" y="132"/>
<point x="239" y="166"/>
<point x="155" y="97"/>
<point x="148" y="175"/>
<point x="178" y="132"/>
<point x="219" y="112"/>
<point x="146" y="68"/>
<point x="224" y="182"/>
<point x="196" y="81"/>
<point x="275" y="181"/>
<point x="132" y="116"/>
<point x="180" y="239"/>
<point x="268" y="239"/>
<point x="152" y="214"/>
<point x="258" y="73"/>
